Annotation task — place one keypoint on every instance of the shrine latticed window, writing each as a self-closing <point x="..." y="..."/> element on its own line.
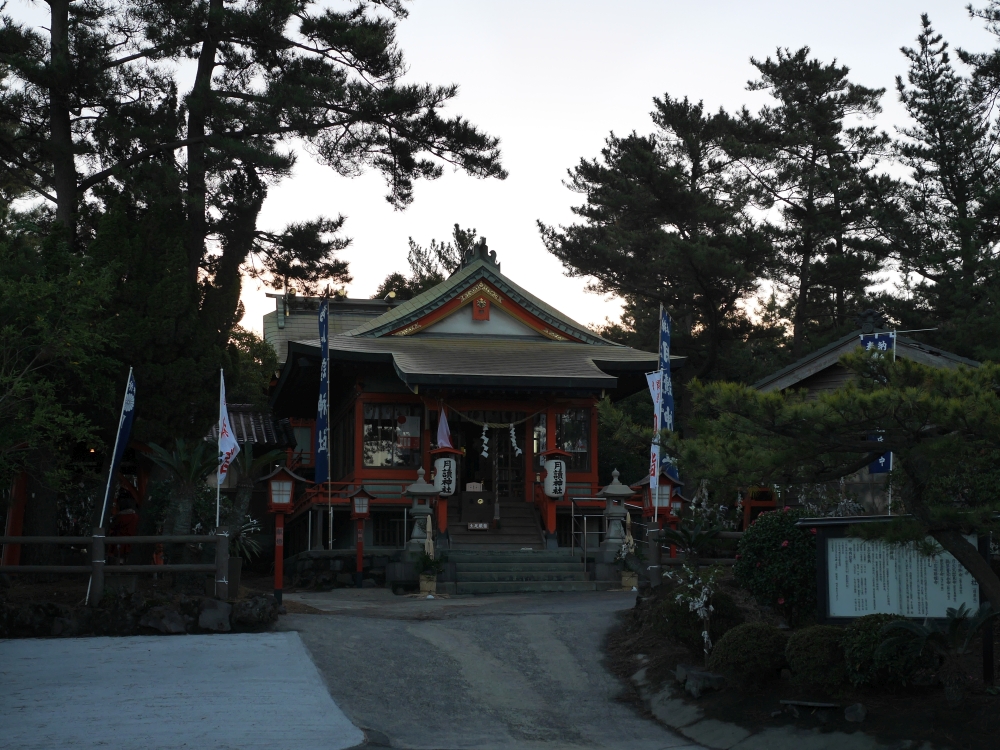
<point x="392" y="435"/>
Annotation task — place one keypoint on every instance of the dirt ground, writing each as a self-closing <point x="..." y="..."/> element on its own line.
<point x="919" y="714"/>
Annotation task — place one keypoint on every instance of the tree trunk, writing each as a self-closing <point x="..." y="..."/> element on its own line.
<point x="968" y="555"/>
<point x="799" y="321"/>
<point x="222" y="297"/>
<point x="199" y="106"/>
<point x="60" y="146"/>
<point x="951" y="539"/>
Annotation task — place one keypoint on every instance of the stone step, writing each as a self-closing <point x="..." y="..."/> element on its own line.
<point x="507" y="567"/>
<point x="538" y="576"/>
<point x="527" y="587"/>
<point x="479" y="547"/>
<point x="514" y="556"/>
<point x="510" y="537"/>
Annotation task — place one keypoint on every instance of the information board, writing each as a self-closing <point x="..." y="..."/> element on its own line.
<point x="872" y="577"/>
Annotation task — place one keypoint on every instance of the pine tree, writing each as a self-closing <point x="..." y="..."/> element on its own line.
<point x="664" y="221"/>
<point x="166" y="187"/>
<point x="945" y="221"/>
<point x="429" y="266"/>
<point x="941" y="425"/>
<point x="816" y="173"/>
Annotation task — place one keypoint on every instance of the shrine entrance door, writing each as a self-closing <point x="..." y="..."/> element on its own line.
<point x="502" y="470"/>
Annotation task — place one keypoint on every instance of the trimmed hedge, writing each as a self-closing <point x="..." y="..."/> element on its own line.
<point x="815" y="657"/>
<point x="753" y="653"/>
<point x="776" y="562"/>
<point x="870" y="665"/>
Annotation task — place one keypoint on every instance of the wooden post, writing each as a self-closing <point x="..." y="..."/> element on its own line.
<point x="222" y="563"/>
<point x="361" y="549"/>
<point x="653" y="540"/>
<point x="97" y="555"/>
<point x="279" y="555"/>
<point x="988" y="671"/>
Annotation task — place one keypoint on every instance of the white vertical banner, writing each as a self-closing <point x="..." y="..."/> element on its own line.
<point x="653" y="380"/>
<point x="228" y="447"/>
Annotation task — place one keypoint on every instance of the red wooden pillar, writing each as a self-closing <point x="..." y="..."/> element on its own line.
<point x="15" y="518"/>
<point x="442" y="514"/>
<point x="550" y="515"/>
<point x="279" y="555"/>
<point x="361" y="551"/>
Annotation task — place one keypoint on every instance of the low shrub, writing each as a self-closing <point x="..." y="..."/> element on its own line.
<point x="871" y="665"/>
<point x="677" y="622"/>
<point x="815" y="657"/>
<point x="753" y="653"/>
<point x="776" y="562"/>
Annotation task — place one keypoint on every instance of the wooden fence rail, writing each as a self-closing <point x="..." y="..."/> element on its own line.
<point x="98" y="543"/>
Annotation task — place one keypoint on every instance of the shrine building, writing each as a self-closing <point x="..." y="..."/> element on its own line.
<point x="518" y="382"/>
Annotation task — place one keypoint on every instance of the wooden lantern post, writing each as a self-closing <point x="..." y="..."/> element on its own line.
<point x="280" y="491"/>
<point x="445" y="481"/>
<point x="555" y="462"/>
<point x="360" y="510"/>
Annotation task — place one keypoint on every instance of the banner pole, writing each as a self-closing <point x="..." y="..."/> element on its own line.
<point x="218" y="482"/>
<point x="121" y="418"/>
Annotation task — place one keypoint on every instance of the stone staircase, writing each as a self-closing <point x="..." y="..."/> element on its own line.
<point x="519" y="530"/>
<point x="486" y="572"/>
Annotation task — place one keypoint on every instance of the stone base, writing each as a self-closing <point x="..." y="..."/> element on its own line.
<point x="607" y="572"/>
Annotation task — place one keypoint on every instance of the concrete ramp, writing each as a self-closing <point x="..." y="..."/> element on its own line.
<point x="245" y="691"/>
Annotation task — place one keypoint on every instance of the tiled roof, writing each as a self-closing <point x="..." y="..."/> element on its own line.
<point x="251" y="426"/>
<point x="472" y="360"/>
<point x="828" y="356"/>
<point x="444" y="292"/>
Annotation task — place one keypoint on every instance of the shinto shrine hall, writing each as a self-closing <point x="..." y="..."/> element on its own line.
<point x="517" y="381"/>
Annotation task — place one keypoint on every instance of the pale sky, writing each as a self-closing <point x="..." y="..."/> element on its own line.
<point x="552" y="78"/>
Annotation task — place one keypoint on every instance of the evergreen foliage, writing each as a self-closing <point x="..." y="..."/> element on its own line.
<point x="805" y="161"/>
<point x="944" y="222"/>
<point x="429" y="266"/>
<point x="815" y="657"/>
<point x="776" y="562"/>
<point x="162" y="187"/>
<point x="870" y="663"/>
<point x="54" y="384"/>
<point x="942" y="426"/>
<point x="665" y="221"/>
<point x="753" y="653"/>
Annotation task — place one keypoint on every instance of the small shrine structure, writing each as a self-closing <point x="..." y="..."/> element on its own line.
<point x="518" y="383"/>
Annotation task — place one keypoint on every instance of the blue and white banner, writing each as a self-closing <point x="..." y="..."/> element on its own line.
<point x="882" y="464"/>
<point x="880" y="342"/>
<point x="323" y="406"/>
<point x="666" y="415"/>
<point x="121" y="442"/>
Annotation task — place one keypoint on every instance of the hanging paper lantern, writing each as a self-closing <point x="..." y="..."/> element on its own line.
<point x="555" y="477"/>
<point x="444" y="475"/>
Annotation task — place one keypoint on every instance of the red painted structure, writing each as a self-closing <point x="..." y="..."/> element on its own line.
<point x="512" y="363"/>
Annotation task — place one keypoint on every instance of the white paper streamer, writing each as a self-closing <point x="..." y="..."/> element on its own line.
<point x="513" y="442"/>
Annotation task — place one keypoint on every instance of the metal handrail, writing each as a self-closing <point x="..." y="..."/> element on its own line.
<point x="573" y="526"/>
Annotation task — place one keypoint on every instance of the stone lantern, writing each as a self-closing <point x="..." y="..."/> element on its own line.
<point x="422" y="493"/>
<point x="615" y="494"/>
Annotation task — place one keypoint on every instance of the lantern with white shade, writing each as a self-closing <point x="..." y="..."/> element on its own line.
<point x="555" y="472"/>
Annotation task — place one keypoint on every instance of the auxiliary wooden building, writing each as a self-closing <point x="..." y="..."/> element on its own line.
<point x="517" y="381"/>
